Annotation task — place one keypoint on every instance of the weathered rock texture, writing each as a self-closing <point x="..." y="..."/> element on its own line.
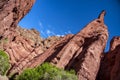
<point x="11" y="12"/>
<point x="81" y="52"/>
<point x="22" y="45"/>
<point x="33" y="58"/>
<point x="92" y="41"/>
<point x="110" y="65"/>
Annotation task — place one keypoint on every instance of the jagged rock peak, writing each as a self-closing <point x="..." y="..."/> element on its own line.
<point x="101" y="16"/>
<point x="94" y="37"/>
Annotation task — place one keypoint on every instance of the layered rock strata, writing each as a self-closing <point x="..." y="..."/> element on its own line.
<point x="82" y="52"/>
<point x="11" y="12"/>
<point x="87" y="58"/>
<point x="36" y="58"/>
<point x="21" y="45"/>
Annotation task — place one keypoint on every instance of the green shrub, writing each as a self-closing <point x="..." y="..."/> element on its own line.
<point x="46" y="72"/>
<point x="4" y="62"/>
<point x="29" y="74"/>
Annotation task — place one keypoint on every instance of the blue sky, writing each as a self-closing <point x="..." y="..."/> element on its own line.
<point x="60" y="17"/>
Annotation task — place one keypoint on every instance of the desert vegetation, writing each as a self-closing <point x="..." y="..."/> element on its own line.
<point x="46" y="72"/>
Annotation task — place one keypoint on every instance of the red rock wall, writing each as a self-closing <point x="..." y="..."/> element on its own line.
<point x="11" y="12"/>
<point x="82" y="52"/>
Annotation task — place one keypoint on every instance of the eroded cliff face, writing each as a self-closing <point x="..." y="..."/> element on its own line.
<point x="21" y="45"/>
<point x="82" y="52"/>
<point x="79" y="52"/>
<point x="11" y="12"/>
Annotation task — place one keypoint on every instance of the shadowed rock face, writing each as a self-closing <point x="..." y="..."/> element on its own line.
<point x="110" y="65"/>
<point x="81" y="52"/>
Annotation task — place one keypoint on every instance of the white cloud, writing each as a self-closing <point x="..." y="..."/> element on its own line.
<point x="42" y="32"/>
<point x="60" y="35"/>
<point x="50" y="33"/>
<point x="69" y="32"/>
<point x="40" y="25"/>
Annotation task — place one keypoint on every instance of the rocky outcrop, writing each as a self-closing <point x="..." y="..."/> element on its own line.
<point x="82" y="52"/>
<point x="11" y="12"/>
<point x="110" y="65"/>
<point x="25" y="46"/>
<point x="33" y="58"/>
<point x="21" y="45"/>
<point x="87" y="59"/>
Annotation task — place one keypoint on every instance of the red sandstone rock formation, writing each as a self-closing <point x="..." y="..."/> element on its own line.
<point x="87" y="61"/>
<point x="34" y="59"/>
<point x="21" y="45"/>
<point x="110" y="66"/>
<point x="11" y="12"/>
<point x="81" y="52"/>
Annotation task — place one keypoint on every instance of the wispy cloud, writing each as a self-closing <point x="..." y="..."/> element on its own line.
<point x="65" y="33"/>
<point x="40" y="25"/>
<point x="68" y="32"/>
<point x="47" y="31"/>
<point x="43" y="33"/>
<point x="50" y="33"/>
<point x="60" y="35"/>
